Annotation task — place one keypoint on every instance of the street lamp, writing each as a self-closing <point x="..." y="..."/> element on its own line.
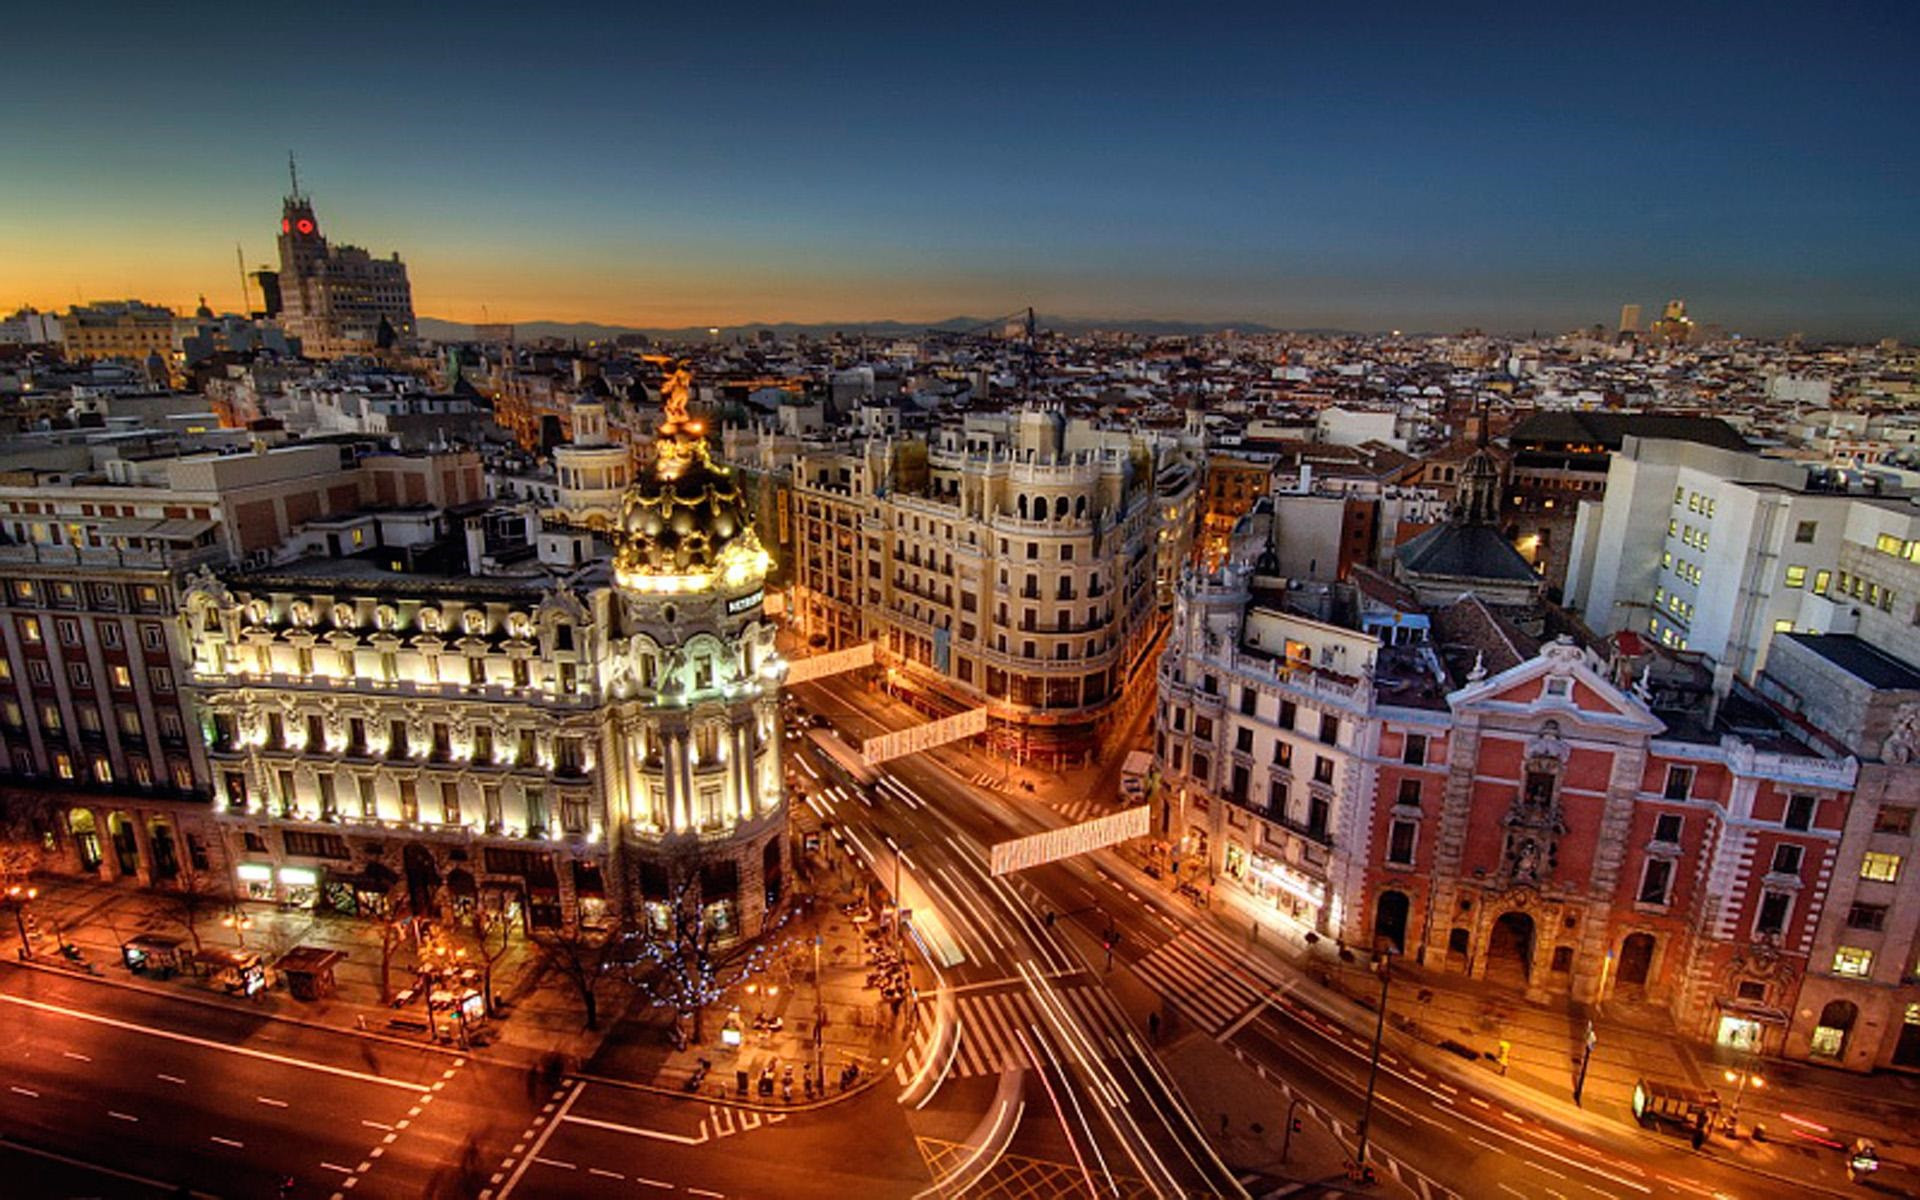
<point x="1744" y="1079"/>
<point x="18" y="897"/>
<point x="1382" y="966"/>
<point x="238" y="922"/>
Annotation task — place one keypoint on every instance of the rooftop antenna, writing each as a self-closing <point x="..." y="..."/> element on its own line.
<point x="293" y="174"/>
<point x="240" y="260"/>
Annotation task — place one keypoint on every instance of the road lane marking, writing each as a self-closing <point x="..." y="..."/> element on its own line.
<point x="270" y="1102"/>
<point x="694" y="1191"/>
<point x="605" y="1174"/>
<point x="228" y="1142"/>
<point x="521" y="1168"/>
<point x="171" y="1078"/>
<point x="635" y="1130"/>
<point x="120" y="1116"/>
<point x="327" y="1166"/>
<point x="205" y="1043"/>
<point x="554" y="1162"/>
<point x="653" y="1183"/>
<point x="20" y="1091"/>
<point x="377" y="1125"/>
<point x="75" y="1055"/>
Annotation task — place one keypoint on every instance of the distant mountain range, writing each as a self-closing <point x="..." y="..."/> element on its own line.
<point x="588" y="331"/>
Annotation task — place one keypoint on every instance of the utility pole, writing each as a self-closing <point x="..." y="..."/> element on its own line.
<point x="1383" y="965"/>
<point x="1586" y="1056"/>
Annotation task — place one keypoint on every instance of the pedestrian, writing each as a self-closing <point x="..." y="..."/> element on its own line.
<point x="360" y="1022"/>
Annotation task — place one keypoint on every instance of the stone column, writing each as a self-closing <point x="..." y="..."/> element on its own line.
<point x="143" y="847"/>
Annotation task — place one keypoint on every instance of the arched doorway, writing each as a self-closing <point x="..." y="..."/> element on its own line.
<point x="1830" y="1034"/>
<point x="423" y="879"/>
<point x="86" y="838"/>
<point x="1390" y="919"/>
<point x="1510" y="949"/>
<point x="1636" y="960"/>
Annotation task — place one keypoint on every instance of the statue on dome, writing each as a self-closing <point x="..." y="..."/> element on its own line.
<point x="676" y="392"/>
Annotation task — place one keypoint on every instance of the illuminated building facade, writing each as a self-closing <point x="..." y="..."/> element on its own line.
<point x="568" y="743"/>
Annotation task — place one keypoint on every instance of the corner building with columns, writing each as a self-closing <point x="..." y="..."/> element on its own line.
<point x="569" y="744"/>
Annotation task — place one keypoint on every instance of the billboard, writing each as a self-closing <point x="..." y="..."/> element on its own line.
<point x="818" y="666"/>
<point x="924" y="737"/>
<point x="1056" y="844"/>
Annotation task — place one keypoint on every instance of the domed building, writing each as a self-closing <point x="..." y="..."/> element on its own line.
<point x="482" y="721"/>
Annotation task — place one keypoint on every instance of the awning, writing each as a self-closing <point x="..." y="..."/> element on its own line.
<point x="181" y="529"/>
<point x="127" y="527"/>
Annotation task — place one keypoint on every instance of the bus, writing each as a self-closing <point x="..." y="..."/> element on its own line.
<point x="850" y="762"/>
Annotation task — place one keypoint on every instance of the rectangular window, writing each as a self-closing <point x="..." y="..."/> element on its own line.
<point x="409" y="800"/>
<point x="1679" y="783"/>
<point x="369" y="804"/>
<point x="1879" y="867"/>
<point x="1666" y="828"/>
<point x="110" y="634"/>
<point x="1796" y="577"/>
<point x="449" y="802"/>
<point x="1243" y="740"/>
<point x="1773" y="912"/>
<point x="1329" y="729"/>
<point x="1400" y="837"/>
<point x="1277" y="795"/>
<point x="1803" y="533"/>
<point x="1322" y="769"/>
<point x="1893" y="818"/>
<point x="1821" y="581"/>
<point x="1415" y="752"/>
<point x="1288" y="711"/>
<point x="122" y="678"/>
<point x="1656" y="879"/>
<point x="1867" y="916"/>
<point x="1282" y="754"/>
<point x="1800" y="808"/>
<point x="1203" y="728"/>
<point x="1786" y="860"/>
<point x="1853" y="961"/>
<point x="1409" y="793"/>
<point x="1249" y="701"/>
<point x="81" y="674"/>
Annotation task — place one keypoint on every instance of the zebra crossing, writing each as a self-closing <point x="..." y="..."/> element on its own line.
<point x="1081" y="809"/>
<point x="988" y="1022"/>
<point x="1206" y="982"/>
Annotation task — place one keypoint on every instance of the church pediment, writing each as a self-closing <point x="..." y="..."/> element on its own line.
<point x="1563" y="682"/>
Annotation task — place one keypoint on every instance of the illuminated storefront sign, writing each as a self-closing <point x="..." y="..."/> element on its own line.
<point x="751" y="600"/>
<point x="298" y="877"/>
<point x="1277" y="874"/>
<point x="254" y="872"/>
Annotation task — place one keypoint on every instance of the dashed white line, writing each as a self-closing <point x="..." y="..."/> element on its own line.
<point x="605" y="1174"/>
<point x="120" y="1116"/>
<point x="270" y="1102"/>
<point x="228" y="1142"/>
<point x="554" y="1162"/>
<point x="170" y="1078"/>
<point x="653" y="1183"/>
<point x="694" y="1191"/>
<point x="327" y="1166"/>
<point x="376" y="1125"/>
<point x="76" y="1056"/>
<point x="20" y="1091"/>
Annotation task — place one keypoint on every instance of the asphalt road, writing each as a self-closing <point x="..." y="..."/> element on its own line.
<point x="118" y="1092"/>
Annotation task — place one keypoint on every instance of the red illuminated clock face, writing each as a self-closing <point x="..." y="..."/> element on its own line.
<point x="303" y="225"/>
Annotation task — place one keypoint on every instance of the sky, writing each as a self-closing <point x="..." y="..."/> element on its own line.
<point x="1374" y="166"/>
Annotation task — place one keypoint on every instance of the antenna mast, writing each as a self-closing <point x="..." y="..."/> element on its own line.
<point x="240" y="261"/>
<point x="293" y="174"/>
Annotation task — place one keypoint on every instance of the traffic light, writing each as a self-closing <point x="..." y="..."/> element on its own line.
<point x="1296" y="1125"/>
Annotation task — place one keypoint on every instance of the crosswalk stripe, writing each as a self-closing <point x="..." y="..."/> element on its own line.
<point x="988" y="1024"/>
<point x="1204" y="988"/>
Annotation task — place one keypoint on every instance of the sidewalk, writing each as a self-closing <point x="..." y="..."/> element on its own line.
<point x="1458" y="1024"/>
<point x="540" y="1017"/>
<point x="861" y="1028"/>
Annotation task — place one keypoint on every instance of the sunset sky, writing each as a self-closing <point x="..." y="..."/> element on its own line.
<point x="1298" y="165"/>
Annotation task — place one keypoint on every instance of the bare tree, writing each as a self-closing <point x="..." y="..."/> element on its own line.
<point x="584" y="956"/>
<point x="491" y="932"/>
<point x="682" y="961"/>
<point x="22" y="848"/>
<point x="389" y="910"/>
<point x="192" y="896"/>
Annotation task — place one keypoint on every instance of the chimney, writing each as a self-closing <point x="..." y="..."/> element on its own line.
<point x="476" y="546"/>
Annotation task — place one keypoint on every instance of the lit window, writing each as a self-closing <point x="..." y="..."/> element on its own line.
<point x="1880" y="867"/>
<point x="1852" y="960"/>
<point x="1796" y="577"/>
<point x="1783" y="625"/>
<point x="1821" y="580"/>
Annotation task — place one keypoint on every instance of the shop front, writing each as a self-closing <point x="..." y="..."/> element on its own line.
<point x="1290" y="890"/>
<point x="256" y="880"/>
<point x="1748" y="1027"/>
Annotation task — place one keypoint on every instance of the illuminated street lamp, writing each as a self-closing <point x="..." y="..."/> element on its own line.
<point x="18" y="897"/>
<point x="239" y="922"/>
<point x="1743" y="1080"/>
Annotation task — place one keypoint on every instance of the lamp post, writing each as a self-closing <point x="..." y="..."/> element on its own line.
<point x="1742" y="1079"/>
<point x="819" y="1020"/>
<point x="238" y="922"/>
<point x="1383" y="966"/>
<point x="18" y="897"/>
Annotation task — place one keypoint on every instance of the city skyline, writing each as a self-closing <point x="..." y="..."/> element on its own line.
<point x="1495" y="170"/>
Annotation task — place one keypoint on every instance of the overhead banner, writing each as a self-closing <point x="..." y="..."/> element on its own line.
<point x="818" y="666"/>
<point x="924" y="737"/>
<point x="1056" y="844"/>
